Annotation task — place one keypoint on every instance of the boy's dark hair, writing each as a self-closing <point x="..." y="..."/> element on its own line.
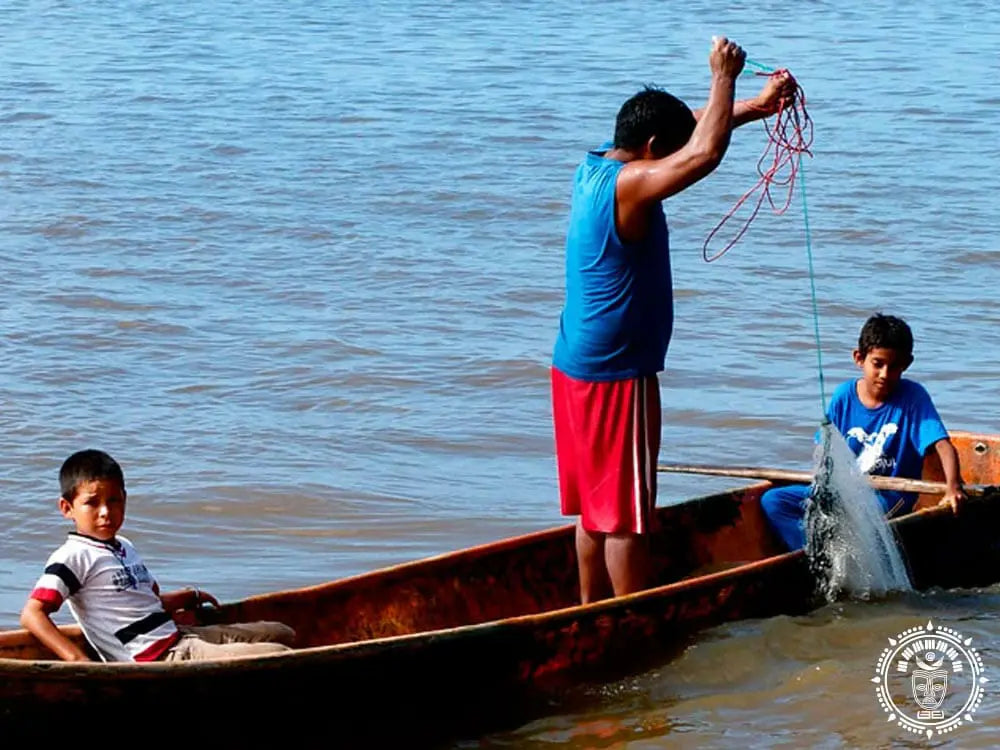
<point x="654" y="112"/>
<point x="885" y="332"/>
<point x="87" y="466"/>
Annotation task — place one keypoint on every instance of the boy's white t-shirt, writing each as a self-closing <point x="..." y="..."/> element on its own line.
<point x="111" y="595"/>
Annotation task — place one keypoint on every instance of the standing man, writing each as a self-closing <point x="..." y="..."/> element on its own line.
<point x="618" y="314"/>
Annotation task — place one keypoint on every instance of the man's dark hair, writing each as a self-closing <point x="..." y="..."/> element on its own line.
<point x="87" y="466"/>
<point x="885" y="332"/>
<point x="654" y="112"/>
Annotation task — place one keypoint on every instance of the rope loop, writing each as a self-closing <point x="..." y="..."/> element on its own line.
<point x="788" y="139"/>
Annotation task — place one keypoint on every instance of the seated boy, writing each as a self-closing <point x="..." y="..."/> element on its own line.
<point x="889" y="422"/>
<point x="112" y="595"/>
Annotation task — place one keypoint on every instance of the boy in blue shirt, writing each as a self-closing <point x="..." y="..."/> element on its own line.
<point x="889" y="423"/>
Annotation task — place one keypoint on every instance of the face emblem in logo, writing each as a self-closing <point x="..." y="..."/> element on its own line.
<point x="929" y="688"/>
<point x="930" y="682"/>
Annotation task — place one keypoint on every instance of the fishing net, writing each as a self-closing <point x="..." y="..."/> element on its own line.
<point x="850" y="547"/>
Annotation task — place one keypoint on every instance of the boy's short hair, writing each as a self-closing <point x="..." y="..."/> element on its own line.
<point x="87" y="466"/>
<point x="653" y="112"/>
<point x="885" y="332"/>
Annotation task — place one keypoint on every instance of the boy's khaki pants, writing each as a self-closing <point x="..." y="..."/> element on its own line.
<point x="201" y="642"/>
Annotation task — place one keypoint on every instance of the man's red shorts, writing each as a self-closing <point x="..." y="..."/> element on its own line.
<point x="607" y="444"/>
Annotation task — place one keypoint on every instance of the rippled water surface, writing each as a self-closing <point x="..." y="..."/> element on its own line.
<point x="298" y="266"/>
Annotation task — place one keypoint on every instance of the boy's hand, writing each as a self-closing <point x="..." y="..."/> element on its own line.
<point x="203" y="597"/>
<point x="953" y="498"/>
<point x="777" y="94"/>
<point x="187" y="599"/>
<point x="726" y="58"/>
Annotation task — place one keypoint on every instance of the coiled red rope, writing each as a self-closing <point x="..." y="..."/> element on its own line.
<point x="789" y="138"/>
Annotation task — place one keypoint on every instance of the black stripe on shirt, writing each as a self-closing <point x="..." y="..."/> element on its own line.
<point x="147" y="624"/>
<point x="65" y="575"/>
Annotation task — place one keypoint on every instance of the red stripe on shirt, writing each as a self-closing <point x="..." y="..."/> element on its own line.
<point x="160" y="647"/>
<point x="50" y="597"/>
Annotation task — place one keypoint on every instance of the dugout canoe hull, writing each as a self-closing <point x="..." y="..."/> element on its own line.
<point x="470" y="640"/>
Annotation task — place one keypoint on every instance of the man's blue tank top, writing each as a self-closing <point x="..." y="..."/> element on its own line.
<point x="618" y="314"/>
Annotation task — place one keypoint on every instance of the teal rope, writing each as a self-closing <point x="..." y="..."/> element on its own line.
<point x="812" y="285"/>
<point x="760" y="67"/>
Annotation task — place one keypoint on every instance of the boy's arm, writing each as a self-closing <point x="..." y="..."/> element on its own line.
<point x="954" y="494"/>
<point x="35" y="619"/>
<point x="777" y="93"/>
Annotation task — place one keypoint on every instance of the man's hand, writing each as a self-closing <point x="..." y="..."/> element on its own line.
<point x="726" y="58"/>
<point x="953" y="498"/>
<point x="777" y="94"/>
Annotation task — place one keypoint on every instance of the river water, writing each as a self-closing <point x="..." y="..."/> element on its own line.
<point x="298" y="266"/>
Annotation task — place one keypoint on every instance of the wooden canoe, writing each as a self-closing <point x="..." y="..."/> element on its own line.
<point x="467" y="641"/>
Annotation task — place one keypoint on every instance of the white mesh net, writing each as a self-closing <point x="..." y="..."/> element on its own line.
<point x="848" y="542"/>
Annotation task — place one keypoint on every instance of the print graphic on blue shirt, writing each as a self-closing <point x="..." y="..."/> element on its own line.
<point x="892" y="439"/>
<point x="872" y="458"/>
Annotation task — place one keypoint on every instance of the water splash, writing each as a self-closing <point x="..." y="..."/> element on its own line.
<point x="850" y="547"/>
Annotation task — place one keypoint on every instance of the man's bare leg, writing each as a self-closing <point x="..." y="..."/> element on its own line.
<point x="627" y="559"/>
<point x="590" y="552"/>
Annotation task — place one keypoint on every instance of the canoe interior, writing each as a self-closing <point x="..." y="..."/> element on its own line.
<point x="525" y="575"/>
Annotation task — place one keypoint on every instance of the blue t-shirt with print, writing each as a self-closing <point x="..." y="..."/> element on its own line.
<point x="890" y="440"/>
